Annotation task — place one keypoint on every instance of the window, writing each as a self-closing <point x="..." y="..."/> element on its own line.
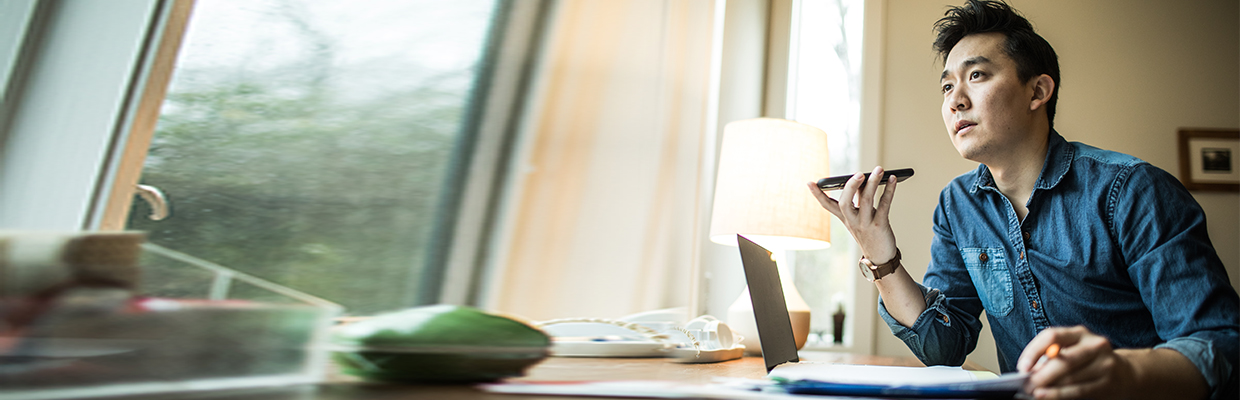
<point x="326" y="145"/>
<point x="824" y="87"/>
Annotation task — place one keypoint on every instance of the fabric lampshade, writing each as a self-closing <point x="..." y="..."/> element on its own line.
<point x="760" y="188"/>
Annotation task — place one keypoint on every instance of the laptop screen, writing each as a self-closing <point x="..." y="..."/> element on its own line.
<point x="770" y="312"/>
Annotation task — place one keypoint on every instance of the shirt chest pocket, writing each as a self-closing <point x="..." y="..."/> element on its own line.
<point x="988" y="268"/>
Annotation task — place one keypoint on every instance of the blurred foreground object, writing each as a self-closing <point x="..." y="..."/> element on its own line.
<point x="93" y="314"/>
<point x="440" y="343"/>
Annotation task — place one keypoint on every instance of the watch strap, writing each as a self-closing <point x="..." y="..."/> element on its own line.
<point x="881" y="270"/>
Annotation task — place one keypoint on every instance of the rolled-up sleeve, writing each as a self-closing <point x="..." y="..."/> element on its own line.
<point x="947" y="331"/>
<point x="941" y="335"/>
<point x="1208" y="352"/>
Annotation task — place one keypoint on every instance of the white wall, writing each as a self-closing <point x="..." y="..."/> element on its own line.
<point x="1133" y="72"/>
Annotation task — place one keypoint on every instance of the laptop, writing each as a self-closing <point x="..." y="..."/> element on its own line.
<point x="779" y="352"/>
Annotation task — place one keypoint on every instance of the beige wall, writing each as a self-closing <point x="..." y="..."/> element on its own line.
<point x="1133" y="72"/>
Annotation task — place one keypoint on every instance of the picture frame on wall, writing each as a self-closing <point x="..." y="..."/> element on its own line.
<point x="1210" y="159"/>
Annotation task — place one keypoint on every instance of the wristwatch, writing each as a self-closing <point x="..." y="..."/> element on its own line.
<point x="873" y="272"/>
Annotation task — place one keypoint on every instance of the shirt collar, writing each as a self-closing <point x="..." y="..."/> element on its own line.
<point x="1058" y="158"/>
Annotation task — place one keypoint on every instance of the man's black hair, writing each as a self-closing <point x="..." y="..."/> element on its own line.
<point x="1032" y="54"/>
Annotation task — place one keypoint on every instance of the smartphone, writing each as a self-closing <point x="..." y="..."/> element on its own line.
<point x="837" y="182"/>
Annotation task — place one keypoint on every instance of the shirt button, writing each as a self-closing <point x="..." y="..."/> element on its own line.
<point x="1025" y="234"/>
<point x="983" y="257"/>
<point x="1034" y="304"/>
<point x="1022" y="255"/>
<point x="945" y="319"/>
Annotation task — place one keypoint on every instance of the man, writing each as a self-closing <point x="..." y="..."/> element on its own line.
<point x="1065" y="246"/>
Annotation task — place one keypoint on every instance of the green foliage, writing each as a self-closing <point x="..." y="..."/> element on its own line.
<point x="296" y="181"/>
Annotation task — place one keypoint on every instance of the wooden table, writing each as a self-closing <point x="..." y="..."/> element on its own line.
<point x="341" y="387"/>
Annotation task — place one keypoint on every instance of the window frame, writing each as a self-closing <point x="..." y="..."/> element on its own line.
<point x="147" y="35"/>
<point x="468" y="238"/>
<point x="69" y="80"/>
<point x="154" y="77"/>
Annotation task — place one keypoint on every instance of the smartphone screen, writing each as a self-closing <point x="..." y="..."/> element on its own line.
<point x="837" y="182"/>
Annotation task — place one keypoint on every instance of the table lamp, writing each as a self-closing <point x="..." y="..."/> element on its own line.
<point x="760" y="193"/>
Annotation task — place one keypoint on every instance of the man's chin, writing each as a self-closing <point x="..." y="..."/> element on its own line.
<point x="969" y="153"/>
<point x="963" y="149"/>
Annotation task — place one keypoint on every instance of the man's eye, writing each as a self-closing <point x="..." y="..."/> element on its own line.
<point x="946" y="88"/>
<point x="975" y="75"/>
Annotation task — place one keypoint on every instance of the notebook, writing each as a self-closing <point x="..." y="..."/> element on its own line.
<point x="779" y="352"/>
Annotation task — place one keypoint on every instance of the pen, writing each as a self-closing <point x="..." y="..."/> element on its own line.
<point x="1051" y="352"/>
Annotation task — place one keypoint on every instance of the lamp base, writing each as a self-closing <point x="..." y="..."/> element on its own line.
<point x="741" y="319"/>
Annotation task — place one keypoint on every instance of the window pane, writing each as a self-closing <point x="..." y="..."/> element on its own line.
<point x="826" y="94"/>
<point x="308" y="142"/>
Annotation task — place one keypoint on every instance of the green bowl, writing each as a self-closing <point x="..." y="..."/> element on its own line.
<point x="432" y="367"/>
<point x="442" y="343"/>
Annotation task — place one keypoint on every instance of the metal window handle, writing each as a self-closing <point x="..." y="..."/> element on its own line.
<point x="156" y="199"/>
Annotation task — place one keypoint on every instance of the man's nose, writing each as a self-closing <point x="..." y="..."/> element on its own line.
<point x="958" y="100"/>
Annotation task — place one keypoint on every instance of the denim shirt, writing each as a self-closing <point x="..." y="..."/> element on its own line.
<point x="1110" y="242"/>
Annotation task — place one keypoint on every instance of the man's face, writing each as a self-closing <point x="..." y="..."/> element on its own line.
<point x="986" y="107"/>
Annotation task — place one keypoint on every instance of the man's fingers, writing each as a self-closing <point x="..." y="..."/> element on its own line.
<point x="1033" y="352"/>
<point x="884" y="204"/>
<point x="1050" y="372"/>
<point x="1089" y="382"/>
<point x="1064" y="371"/>
<point x="830" y="204"/>
<point x="866" y="202"/>
<point x="875" y="179"/>
<point x="1083" y="366"/>
<point x="1037" y="347"/>
<point x="846" y="199"/>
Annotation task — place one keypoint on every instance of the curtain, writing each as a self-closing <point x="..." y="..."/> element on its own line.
<point x="605" y="201"/>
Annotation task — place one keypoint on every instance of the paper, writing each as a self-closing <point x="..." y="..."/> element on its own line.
<point x="873" y="374"/>
<point x="825" y="380"/>
<point x="869" y="380"/>
<point x="645" y="390"/>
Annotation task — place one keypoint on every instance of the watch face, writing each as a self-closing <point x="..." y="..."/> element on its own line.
<point x="866" y="271"/>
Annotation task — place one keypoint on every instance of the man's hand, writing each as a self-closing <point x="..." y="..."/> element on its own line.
<point x="870" y="226"/>
<point x="1086" y="366"/>
<point x="867" y="223"/>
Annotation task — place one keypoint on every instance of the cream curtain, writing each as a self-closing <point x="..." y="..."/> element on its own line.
<point x="602" y="220"/>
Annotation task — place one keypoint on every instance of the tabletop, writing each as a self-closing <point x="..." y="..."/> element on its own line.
<point x="342" y="387"/>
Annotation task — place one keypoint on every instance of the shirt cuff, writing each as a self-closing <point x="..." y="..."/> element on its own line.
<point x="1201" y="353"/>
<point x="934" y="301"/>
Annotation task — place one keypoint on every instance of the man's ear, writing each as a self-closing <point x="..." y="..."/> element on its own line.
<point x="1043" y="88"/>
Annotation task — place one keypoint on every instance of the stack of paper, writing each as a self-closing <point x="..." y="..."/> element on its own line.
<point x="789" y="380"/>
